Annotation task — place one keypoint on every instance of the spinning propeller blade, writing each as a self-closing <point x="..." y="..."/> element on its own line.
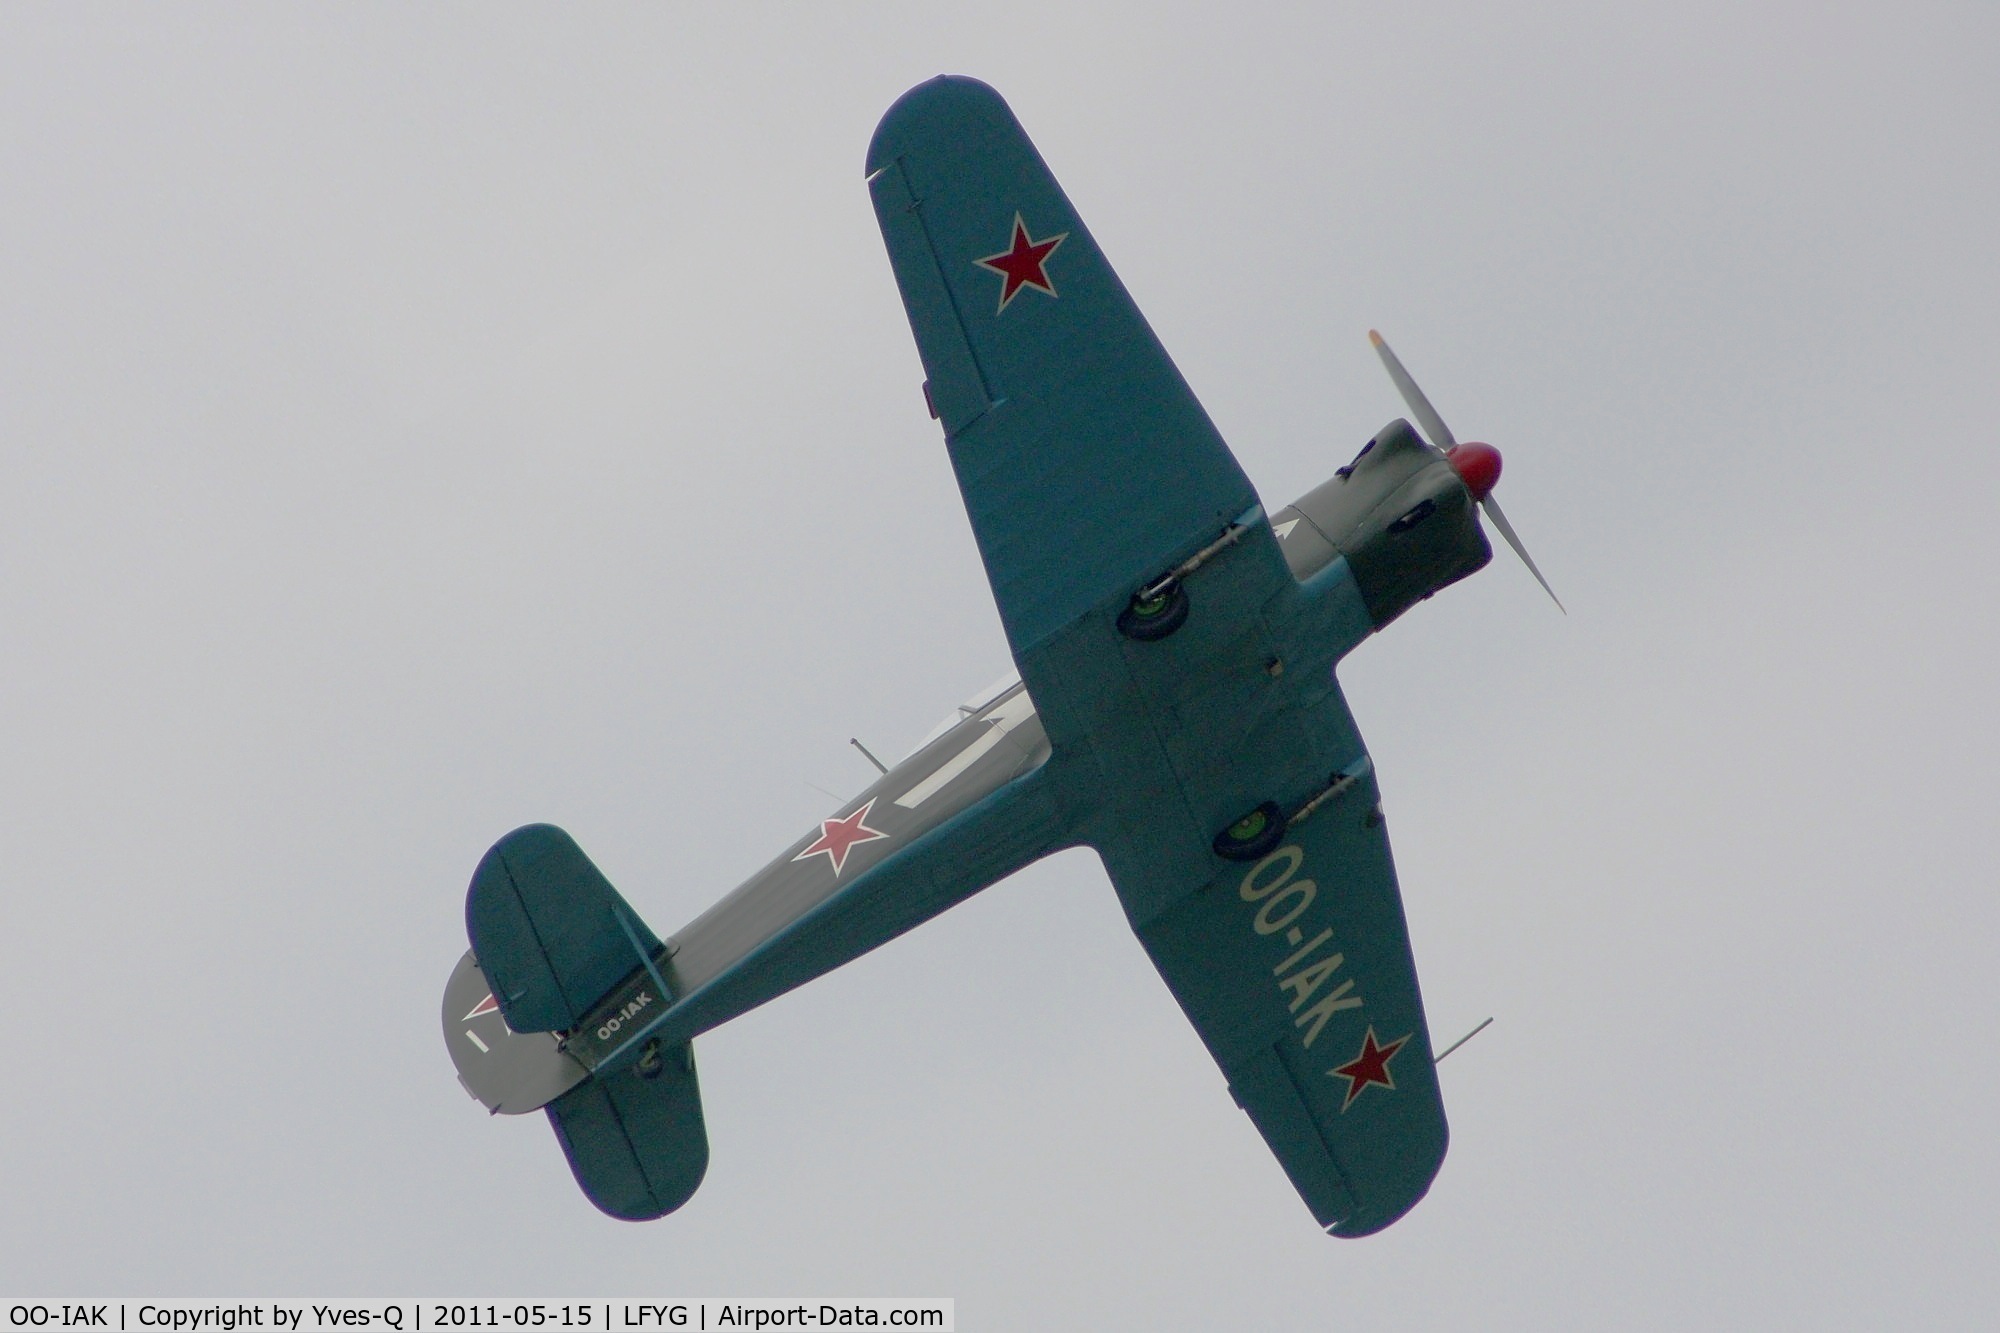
<point x="1420" y="406"/>
<point x="1492" y="508"/>
<point x="1477" y="464"/>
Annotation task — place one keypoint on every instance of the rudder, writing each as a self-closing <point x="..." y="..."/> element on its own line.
<point x="565" y="954"/>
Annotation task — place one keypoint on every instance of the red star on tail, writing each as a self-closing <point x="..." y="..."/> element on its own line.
<point x="1371" y="1066"/>
<point x="838" y="836"/>
<point x="1021" y="263"/>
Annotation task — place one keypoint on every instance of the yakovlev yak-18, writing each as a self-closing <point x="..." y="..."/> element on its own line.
<point x="1175" y="709"/>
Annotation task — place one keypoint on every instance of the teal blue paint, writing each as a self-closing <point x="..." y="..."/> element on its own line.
<point x="1066" y="396"/>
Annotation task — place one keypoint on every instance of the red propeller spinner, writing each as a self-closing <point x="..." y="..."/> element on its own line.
<point x="1477" y="465"/>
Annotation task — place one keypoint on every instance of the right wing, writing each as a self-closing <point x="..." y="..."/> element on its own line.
<point x="1086" y="463"/>
<point x="1087" y="467"/>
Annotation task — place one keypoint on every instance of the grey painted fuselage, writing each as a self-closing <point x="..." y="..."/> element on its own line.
<point x="917" y="841"/>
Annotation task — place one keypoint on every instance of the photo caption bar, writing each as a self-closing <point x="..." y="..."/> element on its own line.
<point x="423" y="1316"/>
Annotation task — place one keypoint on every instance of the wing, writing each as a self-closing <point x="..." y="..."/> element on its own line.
<point x="1086" y="464"/>
<point x="1296" y="971"/>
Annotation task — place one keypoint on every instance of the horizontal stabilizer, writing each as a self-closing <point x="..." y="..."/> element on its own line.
<point x="551" y="934"/>
<point x="637" y="1145"/>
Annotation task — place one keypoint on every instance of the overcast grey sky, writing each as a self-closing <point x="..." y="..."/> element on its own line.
<point x="419" y="421"/>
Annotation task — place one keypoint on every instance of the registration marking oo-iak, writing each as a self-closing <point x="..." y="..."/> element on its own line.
<point x="1282" y="898"/>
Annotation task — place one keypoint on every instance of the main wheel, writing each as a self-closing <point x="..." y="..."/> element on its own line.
<point x="1253" y="837"/>
<point x="1150" y="618"/>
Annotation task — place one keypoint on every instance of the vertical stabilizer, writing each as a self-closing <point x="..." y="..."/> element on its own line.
<point x="562" y="975"/>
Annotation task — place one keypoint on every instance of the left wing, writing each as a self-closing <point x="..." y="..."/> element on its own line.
<point x="1296" y="971"/>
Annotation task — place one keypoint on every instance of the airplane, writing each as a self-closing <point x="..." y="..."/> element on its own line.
<point x="1174" y="707"/>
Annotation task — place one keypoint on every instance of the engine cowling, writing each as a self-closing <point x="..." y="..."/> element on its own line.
<point x="1401" y="514"/>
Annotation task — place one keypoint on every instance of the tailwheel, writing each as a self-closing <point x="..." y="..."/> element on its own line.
<point x="1253" y="837"/>
<point x="1155" y="616"/>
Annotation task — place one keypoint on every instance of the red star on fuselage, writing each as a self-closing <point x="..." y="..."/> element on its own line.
<point x="1021" y="263"/>
<point x="1371" y="1066"/>
<point x="838" y="836"/>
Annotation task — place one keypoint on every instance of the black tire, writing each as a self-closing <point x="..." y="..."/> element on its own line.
<point x="1148" y="621"/>
<point x="1253" y="837"/>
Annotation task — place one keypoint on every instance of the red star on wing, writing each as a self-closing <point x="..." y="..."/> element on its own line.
<point x="1371" y="1066"/>
<point x="1021" y="263"/>
<point x="838" y="836"/>
<point x="485" y="1006"/>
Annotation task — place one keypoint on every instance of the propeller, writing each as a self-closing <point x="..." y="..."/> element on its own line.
<point x="1478" y="465"/>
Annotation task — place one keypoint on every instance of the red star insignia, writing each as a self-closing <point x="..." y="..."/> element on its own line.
<point x="485" y="1006"/>
<point x="838" y="836"/>
<point x="1021" y="263"/>
<point x="1371" y="1066"/>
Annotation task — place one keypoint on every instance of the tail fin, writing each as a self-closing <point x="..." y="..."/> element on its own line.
<point x="508" y="1072"/>
<point x="565" y="955"/>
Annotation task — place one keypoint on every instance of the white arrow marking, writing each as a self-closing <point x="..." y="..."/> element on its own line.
<point x="1284" y="530"/>
<point x="1000" y="721"/>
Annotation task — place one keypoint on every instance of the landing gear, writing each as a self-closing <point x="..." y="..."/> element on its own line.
<point x="1253" y="837"/>
<point x="1154" y="617"/>
<point x="1161" y="607"/>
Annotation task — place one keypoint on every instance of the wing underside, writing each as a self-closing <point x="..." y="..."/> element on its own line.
<point x="1089" y="470"/>
<point x="1296" y="970"/>
<point x="1086" y="463"/>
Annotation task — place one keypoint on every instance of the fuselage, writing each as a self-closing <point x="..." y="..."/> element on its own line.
<point x="1385" y="531"/>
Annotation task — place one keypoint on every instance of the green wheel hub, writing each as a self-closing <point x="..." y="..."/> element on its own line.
<point x="1248" y="827"/>
<point x="1254" y="836"/>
